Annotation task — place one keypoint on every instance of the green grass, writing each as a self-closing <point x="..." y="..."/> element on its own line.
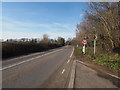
<point x="109" y="61"/>
<point x="79" y="50"/>
<point x="103" y="59"/>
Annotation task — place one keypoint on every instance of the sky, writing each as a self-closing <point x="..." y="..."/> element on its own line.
<point x="34" y="19"/>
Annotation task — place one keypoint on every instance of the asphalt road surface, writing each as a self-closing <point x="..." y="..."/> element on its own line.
<point x="33" y="70"/>
<point x="50" y="69"/>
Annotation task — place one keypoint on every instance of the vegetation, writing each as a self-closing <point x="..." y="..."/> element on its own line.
<point x="102" y="20"/>
<point x="110" y="61"/>
<point x="13" y="47"/>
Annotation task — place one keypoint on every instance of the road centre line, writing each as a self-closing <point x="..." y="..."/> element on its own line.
<point x="27" y="60"/>
<point x="68" y="61"/>
<point x="63" y="71"/>
<point x="72" y="53"/>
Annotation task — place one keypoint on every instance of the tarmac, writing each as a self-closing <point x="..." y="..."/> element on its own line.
<point x="86" y="77"/>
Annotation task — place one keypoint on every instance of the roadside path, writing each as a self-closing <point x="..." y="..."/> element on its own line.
<point x="86" y="77"/>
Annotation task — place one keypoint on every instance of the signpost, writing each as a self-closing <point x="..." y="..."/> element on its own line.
<point x="77" y="45"/>
<point x="84" y="42"/>
<point x="95" y="37"/>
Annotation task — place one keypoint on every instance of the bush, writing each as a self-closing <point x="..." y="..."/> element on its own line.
<point x="10" y="49"/>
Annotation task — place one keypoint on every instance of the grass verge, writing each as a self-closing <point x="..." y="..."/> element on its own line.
<point x="110" y="61"/>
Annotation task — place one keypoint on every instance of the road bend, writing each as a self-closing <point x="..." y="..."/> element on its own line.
<point x="33" y="70"/>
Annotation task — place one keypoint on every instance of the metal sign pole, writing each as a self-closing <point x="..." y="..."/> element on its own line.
<point x="84" y="49"/>
<point x="94" y="46"/>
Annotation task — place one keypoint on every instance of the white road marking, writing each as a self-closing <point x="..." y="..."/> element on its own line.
<point x="63" y="71"/>
<point x="104" y="72"/>
<point x="72" y="53"/>
<point x="27" y="60"/>
<point x="72" y="75"/>
<point x="68" y="61"/>
<point x="21" y="57"/>
<point x="113" y="75"/>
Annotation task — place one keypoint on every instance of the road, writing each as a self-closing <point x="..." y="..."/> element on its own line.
<point x="51" y="69"/>
<point x="31" y="71"/>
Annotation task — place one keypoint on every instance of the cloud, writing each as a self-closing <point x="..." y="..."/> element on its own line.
<point x="66" y="26"/>
<point x="17" y="29"/>
<point x="18" y="35"/>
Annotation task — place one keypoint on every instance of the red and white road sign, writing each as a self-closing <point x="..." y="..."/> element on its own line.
<point x="84" y="42"/>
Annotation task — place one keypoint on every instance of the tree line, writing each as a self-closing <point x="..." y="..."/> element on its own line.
<point x="101" y="19"/>
<point x="15" y="47"/>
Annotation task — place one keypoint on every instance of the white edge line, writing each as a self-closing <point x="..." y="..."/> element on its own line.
<point x="36" y="53"/>
<point x="113" y="75"/>
<point x="105" y="72"/>
<point x="27" y="60"/>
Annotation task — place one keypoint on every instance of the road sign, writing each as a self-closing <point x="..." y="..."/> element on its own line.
<point x="84" y="42"/>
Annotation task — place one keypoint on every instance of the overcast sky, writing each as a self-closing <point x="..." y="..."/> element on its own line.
<point x="33" y="19"/>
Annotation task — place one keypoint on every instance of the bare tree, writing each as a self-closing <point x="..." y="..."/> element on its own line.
<point x="102" y="19"/>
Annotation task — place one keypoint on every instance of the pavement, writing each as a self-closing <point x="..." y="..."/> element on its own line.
<point x="86" y="77"/>
<point x="36" y="70"/>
